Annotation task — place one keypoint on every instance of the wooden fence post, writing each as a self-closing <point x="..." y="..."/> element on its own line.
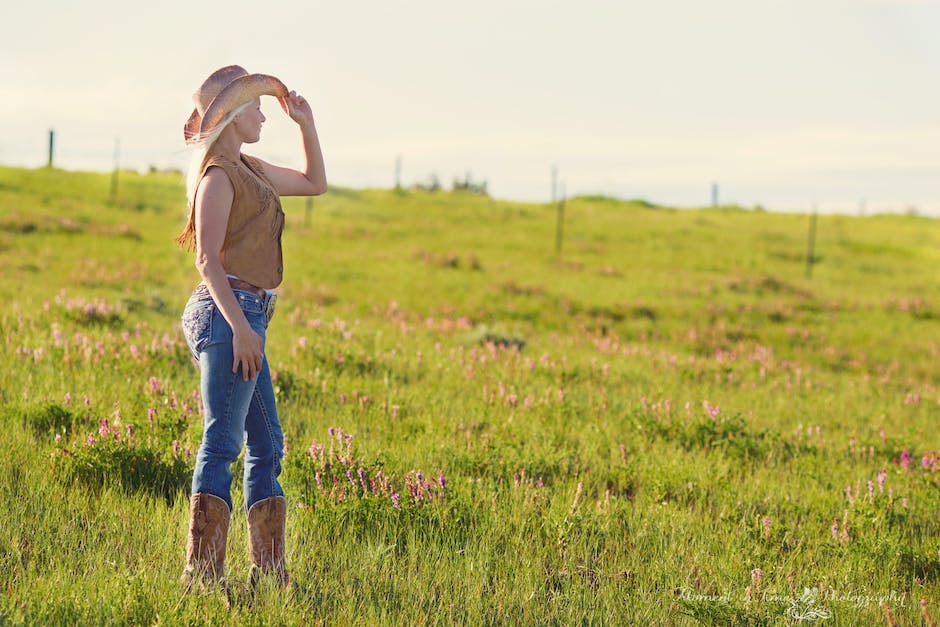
<point x="51" y="146"/>
<point x="559" y="227"/>
<point x="811" y="243"/>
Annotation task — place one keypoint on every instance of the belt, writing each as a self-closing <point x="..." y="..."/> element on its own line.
<point x="238" y="284"/>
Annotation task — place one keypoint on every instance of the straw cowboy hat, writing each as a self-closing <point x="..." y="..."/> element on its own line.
<point x="224" y="91"/>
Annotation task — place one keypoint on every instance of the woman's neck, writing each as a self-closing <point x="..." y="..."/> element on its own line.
<point x="228" y="142"/>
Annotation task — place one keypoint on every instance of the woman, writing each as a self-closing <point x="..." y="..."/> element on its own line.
<point x="235" y="225"/>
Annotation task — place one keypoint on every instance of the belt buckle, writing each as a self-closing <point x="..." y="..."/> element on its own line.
<point x="269" y="309"/>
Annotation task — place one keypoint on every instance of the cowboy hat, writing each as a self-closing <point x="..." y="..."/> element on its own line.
<point x="224" y="91"/>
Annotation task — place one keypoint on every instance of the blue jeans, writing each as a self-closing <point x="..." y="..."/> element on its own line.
<point x="235" y="410"/>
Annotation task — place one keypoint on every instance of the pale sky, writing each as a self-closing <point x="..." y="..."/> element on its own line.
<point x="784" y="103"/>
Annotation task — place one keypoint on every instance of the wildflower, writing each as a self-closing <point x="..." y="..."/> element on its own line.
<point x="395" y="410"/>
<point x="527" y="402"/>
<point x="58" y="438"/>
<point x="561" y="395"/>
<point x="766" y="522"/>
<point x="362" y="478"/>
<point x="130" y="430"/>
<point x="68" y="398"/>
<point x="905" y="459"/>
<point x="176" y="447"/>
<point x="103" y="427"/>
<point x="441" y="480"/>
<point x="835" y="529"/>
<point x="87" y="401"/>
<point x="925" y="462"/>
<point x="871" y="491"/>
<point x="756" y="576"/>
<point x="396" y="500"/>
<point x="623" y="453"/>
<point x="151" y="414"/>
<point x="90" y="440"/>
<point x="319" y="482"/>
<point x="852" y="445"/>
<point x="155" y="385"/>
<point x="882" y="475"/>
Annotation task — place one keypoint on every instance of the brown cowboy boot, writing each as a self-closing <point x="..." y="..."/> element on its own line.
<point x="266" y="520"/>
<point x="208" y="533"/>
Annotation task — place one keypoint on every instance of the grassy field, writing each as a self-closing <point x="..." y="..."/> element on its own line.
<point x="667" y="423"/>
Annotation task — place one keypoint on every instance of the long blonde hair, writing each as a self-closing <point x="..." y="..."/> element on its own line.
<point x="200" y="150"/>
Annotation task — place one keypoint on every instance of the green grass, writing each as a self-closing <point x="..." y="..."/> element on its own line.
<point x="627" y="430"/>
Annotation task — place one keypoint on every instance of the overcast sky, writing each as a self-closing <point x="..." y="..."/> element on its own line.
<point x="782" y="102"/>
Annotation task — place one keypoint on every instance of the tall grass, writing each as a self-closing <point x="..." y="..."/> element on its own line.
<point x="665" y="424"/>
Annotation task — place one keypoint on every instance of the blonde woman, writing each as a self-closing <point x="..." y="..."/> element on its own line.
<point x="235" y="226"/>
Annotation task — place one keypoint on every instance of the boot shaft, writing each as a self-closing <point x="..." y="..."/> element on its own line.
<point x="209" y="518"/>
<point x="266" y="522"/>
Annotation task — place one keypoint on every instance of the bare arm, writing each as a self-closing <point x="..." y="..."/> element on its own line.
<point x="214" y="198"/>
<point x="312" y="180"/>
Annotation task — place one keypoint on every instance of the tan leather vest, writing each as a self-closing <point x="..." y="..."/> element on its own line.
<point x="252" y="247"/>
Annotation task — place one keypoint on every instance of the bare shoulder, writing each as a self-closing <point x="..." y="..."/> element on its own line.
<point x="215" y="187"/>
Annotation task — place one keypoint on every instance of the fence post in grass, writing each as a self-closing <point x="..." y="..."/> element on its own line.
<point x="811" y="243"/>
<point x="117" y="167"/>
<point x="554" y="184"/>
<point x="559" y="228"/>
<point x="51" y="146"/>
<point x="714" y="194"/>
<point x="398" y="173"/>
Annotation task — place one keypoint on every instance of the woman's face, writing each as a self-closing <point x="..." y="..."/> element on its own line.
<point x="249" y="122"/>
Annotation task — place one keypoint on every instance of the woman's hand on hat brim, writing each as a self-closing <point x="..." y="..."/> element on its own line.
<point x="295" y="106"/>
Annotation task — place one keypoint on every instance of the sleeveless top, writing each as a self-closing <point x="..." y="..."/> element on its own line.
<point x="252" y="247"/>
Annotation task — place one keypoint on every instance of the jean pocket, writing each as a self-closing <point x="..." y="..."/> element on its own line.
<point x="197" y="327"/>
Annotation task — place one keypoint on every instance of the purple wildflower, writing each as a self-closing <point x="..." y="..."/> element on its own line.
<point x="882" y="475"/>
<point x="905" y="458"/>
<point x="835" y="528"/>
<point x="756" y="576"/>
<point x="396" y="500"/>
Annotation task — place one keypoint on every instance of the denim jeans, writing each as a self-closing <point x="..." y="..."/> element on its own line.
<point x="235" y="411"/>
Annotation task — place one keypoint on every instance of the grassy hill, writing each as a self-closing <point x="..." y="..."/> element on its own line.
<point x="666" y="423"/>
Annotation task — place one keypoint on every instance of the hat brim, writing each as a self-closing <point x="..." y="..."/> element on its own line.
<point x="241" y="90"/>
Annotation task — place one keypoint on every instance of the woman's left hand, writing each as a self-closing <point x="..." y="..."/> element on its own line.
<point x="297" y="108"/>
